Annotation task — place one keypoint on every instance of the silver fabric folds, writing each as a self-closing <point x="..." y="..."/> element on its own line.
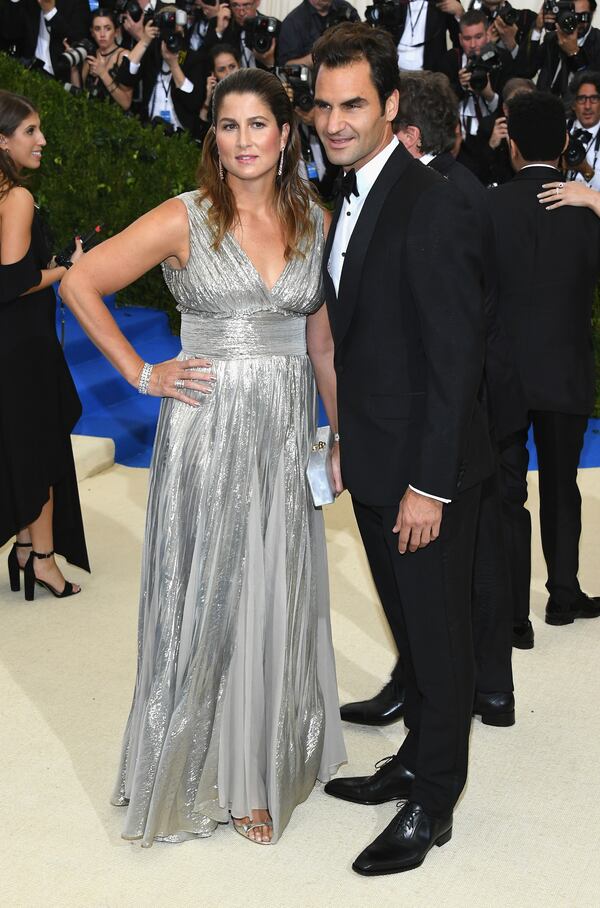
<point x="235" y="704"/>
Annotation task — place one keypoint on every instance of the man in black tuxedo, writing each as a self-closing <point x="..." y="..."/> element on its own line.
<point x="426" y="125"/>
<point x="546" y="311"/>
<point x="403" y="283"/>
<point x="38" y="28"/>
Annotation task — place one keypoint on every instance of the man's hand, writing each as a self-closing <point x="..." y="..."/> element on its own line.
<point x="135" y="29"/>
<point x="567" y="43"/>
<point x="452" y="7"/>
<point x="506" y="33"/>
<point x="418" y="522"/>
<point x="464" y="78"/>
<point x="488" y="91"/>
<point x="223" y="18"/>
<point x="541" y="18"/>
<point x="499" y="132"/>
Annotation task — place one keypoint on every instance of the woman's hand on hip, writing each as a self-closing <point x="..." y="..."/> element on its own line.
<point x="176" y="376"/>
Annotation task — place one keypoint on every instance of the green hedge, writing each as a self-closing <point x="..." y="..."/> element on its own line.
<point x="101" y="165"/>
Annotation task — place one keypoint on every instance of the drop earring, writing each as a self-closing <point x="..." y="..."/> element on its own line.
<point x="280" y="168"/>
<point x="221" y="171"/>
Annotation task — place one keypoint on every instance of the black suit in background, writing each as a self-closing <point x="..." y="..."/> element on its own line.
<point x="547" y="272"/>
<point x="439" y="27"/>
<point x="408" y="327"/>
<point x="549" y="56"/>
<point x="20" y="25"/>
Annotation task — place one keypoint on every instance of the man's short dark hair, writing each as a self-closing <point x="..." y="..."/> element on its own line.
<point x="515" y="85"/>
<point x="536" y="123"/>
<point x="428" y="102"/>
<point x="585" y="77"/>
<point x="353" y="41"/>
<point x="473" y="17"/>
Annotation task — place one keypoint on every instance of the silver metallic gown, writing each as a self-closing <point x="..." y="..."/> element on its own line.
<point x="235" y="705"/>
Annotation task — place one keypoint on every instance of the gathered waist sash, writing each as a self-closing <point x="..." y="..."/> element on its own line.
<point x="261" y="334"/>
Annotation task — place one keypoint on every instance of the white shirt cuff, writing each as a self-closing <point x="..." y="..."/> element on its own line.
<point x="535" y="35"/>
<point x="187" y="87"/>
<point x="514" y="51"/>
<point x="428" y="495"/>
<point x="133" y="67"/>
<point x="50" y="15"/>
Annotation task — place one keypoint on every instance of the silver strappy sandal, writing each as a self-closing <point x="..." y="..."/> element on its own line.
<point x="244" y="828"/>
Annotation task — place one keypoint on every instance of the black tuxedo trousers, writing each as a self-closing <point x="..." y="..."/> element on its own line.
<point x="426" y="597"/>
<point x="558" y="440"/>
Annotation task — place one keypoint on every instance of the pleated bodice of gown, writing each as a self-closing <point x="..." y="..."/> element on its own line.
<point x="235" y="706"/>
<point x="39" y="407"/>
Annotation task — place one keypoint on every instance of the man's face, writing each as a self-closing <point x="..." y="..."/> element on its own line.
<point x="582" y="6"/>
<point x="321" y="6"/>
<point x="243" y="9"/>
<point x="348" y="115"/>
<point x="473" y="38"/>
<point x="587" y="105"/>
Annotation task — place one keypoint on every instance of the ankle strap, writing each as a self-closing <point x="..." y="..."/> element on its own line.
<point x="23" y="545"/>
<point x="42" y="554"/>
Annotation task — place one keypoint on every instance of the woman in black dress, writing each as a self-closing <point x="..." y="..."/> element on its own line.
<point x="39" y="406"/>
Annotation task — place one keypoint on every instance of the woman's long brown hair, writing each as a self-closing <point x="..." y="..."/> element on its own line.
<point x="292" y="195"/>
<point x="13" y="110"/>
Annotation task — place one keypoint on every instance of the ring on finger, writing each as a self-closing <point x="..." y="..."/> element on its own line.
<point x="179" y="383"/>
<point x="561" y="185"/>
<point x="558" y="190"/>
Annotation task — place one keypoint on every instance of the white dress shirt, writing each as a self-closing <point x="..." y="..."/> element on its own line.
<point x="349" y="214"/>
<point x="592" y="157"/>
<point x="42" y="48"/>
<point x="411" y="46"/>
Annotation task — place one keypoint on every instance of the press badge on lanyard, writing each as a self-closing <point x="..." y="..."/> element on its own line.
<point x="311" y="170"/>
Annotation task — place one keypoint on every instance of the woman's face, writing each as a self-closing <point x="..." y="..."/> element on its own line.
<point x="248" y="137"/>
<point x="224" y="65"/>
<point x="103" y="32"/>
<point x="26" y="143"/>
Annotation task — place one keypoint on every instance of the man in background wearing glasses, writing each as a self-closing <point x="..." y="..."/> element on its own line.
<point x="585" y="88"/>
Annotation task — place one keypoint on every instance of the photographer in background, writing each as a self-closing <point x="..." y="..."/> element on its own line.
<point x="38" y="29"/>
<point x="98" y="73"/>
<point x="496" y="128"/>
<point x="172" y="79"/>
<point x="477" y="71"/>
<point x="567" y="44"/>
<point x="223" y="60"/>
<point x="581" y="159"/>
<point x="422" y="31"/>
<point x="314" y="166"/>
<point x="240" y="24"/>
<point x="307" y="22"/>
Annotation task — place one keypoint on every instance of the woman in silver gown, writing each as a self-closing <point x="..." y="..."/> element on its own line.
<point x="235" y="709"/>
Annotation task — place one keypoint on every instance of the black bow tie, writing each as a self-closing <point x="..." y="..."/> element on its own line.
<point x="583" y="135"/>
<point x="349" y="187"/>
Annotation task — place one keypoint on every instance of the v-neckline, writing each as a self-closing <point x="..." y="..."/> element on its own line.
<point x="255" y="269"/>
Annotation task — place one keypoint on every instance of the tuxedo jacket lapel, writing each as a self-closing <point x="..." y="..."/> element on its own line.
<point x="330" y="294"/>
<point x="360" y="239"/>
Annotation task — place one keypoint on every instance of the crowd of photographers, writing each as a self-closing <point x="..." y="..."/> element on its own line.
<point x="161" y="61"/>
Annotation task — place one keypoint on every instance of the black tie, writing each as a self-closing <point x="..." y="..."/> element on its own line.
<point x="349" y="187"/>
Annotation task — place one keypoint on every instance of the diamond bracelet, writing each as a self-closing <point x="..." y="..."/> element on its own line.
<point x="144" y="379"/>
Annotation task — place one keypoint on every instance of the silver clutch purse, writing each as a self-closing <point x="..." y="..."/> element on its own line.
<point x="319" y="471"/>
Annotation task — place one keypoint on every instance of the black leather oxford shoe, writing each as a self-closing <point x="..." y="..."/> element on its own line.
<point x="495" y="709"/>
<point x="386" y="707"/>
<point x="585" y="607"/>
<point x="523" y="635"/>
<point x="391" y="782"/>
<point x="404" y="844"/>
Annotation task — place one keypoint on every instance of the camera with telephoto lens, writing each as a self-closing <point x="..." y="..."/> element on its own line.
<point x="299" y="79"/>
<point x="260" y="32"/>
<point x="77" y="55"/>
<point x="576" y="151"/>
<point x="129" y="8"/>
<point x="166" y="19"/>
<point x="507" y="13"/>
<point x="481" y="66"/>
<point x="385" y="14"/>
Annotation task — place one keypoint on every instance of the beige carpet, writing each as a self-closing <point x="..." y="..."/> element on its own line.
<point x="527" y="831"/>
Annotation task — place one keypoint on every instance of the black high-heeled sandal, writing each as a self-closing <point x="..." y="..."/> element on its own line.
<point x="14" y="568"/>
<point x="31" y="580"/>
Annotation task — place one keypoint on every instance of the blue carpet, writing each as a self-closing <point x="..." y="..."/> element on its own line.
<point x="113" y="409"/>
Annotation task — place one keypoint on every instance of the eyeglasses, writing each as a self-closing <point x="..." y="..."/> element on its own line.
<point x="590" y="99"/>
